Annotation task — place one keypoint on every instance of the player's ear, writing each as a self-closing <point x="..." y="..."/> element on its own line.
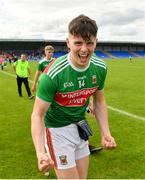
<point x="96" y="41"/>
<point x="67" y="42"/>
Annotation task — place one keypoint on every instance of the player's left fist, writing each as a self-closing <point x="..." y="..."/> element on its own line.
<point x="108" y="142"/>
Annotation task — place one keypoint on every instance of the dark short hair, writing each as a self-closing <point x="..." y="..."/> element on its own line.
<point x="83" y="26"/>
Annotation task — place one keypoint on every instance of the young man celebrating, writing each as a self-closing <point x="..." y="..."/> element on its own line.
<point x="49" y="50"/>
<point x="62" y="97"/>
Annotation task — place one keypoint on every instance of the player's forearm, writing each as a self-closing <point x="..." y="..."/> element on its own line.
<point x="101" y="114"/>
<point x="36" y="77"/>
<point x="37" y="130"/>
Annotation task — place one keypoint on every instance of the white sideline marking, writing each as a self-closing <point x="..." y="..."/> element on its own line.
<point x="109" y="107"/>
<point x="12" y="75"/>
<point x="126" y="113"/>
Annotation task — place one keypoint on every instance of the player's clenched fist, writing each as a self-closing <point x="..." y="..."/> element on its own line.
<point x="108" y="142"/>
<point x="44" y="162"/>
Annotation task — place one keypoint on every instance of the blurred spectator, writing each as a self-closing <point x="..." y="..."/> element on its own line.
<point x="22" y="69"/>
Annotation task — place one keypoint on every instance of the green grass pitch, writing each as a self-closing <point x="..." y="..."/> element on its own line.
<point x="124" y="90"/>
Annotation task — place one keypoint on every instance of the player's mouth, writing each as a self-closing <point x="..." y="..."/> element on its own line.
<point x="83" y="58"/>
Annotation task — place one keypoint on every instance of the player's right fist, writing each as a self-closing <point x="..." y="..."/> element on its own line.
<point x="44" y="162"/>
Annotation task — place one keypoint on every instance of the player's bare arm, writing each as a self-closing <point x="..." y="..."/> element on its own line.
<point x="101" y="114"/>
<point x="34" y="86"/>
<point x="37" y="129"/>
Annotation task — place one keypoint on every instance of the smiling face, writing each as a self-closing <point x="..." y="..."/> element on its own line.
<point x="81" y="49"/>
<point x="49" y="54"/>
<point x="49" y="50"/>
<point x="82" y="40"/>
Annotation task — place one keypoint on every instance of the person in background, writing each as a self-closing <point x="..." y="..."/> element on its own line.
<point x="22" y="70"/>
<point x="61" y="101"/>
<point x="2" y="62"/>
<point x="49" y="50"/>
<point x="130" y="58"/>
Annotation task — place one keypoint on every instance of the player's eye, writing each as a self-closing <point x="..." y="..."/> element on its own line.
<point x="78" y="43"/>
<point x="90" y="43"/>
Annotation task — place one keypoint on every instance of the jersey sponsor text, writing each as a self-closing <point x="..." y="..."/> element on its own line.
<point x="77" y="98"/>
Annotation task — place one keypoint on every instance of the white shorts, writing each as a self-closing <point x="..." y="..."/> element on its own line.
<point x="65" y="146"/>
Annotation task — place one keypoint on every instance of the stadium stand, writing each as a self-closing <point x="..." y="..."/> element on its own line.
<point x="58" y="54"/>
<point x="12" y="48"/>
<point x="140" y="53"/>
<point x="134" y="54"/>
<point x="121" y="54"/>
<point x="102" y="54"/>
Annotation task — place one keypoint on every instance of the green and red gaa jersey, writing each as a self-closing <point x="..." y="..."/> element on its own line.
<point x="43" y="64"/>
<point x="68" y="89"/>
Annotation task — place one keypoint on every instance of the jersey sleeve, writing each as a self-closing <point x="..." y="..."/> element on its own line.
<point x="46" y="88"/>
<point x="39" y="67"/>
<point x="103" y="77"/>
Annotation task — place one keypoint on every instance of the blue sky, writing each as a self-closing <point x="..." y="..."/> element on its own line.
<point x="118" y="20"/>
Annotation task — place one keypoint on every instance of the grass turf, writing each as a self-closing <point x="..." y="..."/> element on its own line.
<point x="124" y="90"/>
